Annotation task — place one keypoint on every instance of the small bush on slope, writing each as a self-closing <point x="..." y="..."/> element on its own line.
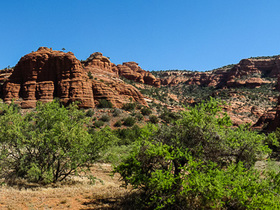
<point x="46" y="145"/>
<point x="201" y="163"/>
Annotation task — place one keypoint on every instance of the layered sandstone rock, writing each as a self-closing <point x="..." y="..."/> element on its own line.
<point x="117" y="92"/>
<point x="47" y="74"/>
<point x="248" y="73"/>
<point x="132" y="71"/>
<point x="97" y="63"/>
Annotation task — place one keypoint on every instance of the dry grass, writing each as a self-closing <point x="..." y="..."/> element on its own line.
<point x="77" y="193"/>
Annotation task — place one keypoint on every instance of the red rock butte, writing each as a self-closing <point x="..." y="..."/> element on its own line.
<point x="47" y="74"/>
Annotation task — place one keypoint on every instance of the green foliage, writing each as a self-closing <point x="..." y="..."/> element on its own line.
<point x="116" y="112"/>
<point x="273" y="141"/>
<point x="46" y="145"/>
<point x="125" y="141"/>
<point x="156" y="170"/>
<point x="90" y="75"/>
<point x="98" y="123"/>
<point x="139" y="116"/>
<point x="146" y="111"/>
<point x="103" y="103"/>
<point x="118" y="124"/>
<point x="105" y="118"/>
<point x="169" y="116"/>
<point x="128" y="135"/>
<point x="200" y="162"/>
<point x="129" y="106"/>
<point x="89" y="113"/>
<point x="153" y="119"/>
<point x="129" y="121"/>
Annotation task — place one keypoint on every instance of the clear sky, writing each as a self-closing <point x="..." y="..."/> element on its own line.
<point x="157" y="34"/>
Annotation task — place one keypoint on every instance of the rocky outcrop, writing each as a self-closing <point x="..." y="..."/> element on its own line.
<point x="250" y="82"/>
<point x="47" y="74"/>
<point x="97" y="63"/>
<point x="117" y="92"/>
<point x="267" y="120"/>
<point x="131" y="71"/>
<point x="248" y="72"/>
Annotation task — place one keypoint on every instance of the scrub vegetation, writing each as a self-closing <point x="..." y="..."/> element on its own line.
<point x="194" y="159"/>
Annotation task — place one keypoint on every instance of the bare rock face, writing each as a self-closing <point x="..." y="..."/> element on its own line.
<point x="116" y="91"/>
<point x="45" y="75"/>
<point x="98" y="61"/>
<point x="250" y="82"/>
<point x="131" y="71"/>
<point x="248" y="72"/>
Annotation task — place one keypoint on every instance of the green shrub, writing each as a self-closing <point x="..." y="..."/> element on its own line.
<point x="139" y="106"/>
<point x="153" y="119"/>
<point x="89" y="113"/>
<point x="165" y="182"/>
<point x="98" y="123"/>
<point x="129" y="121"/>
<point x="139" y="116"/>
<point x="46" y="145"/>
<point x="103" y="103"/>
<point x="90" y="75"/>
<point x="200" y="162"/>
<point x="128" y="136"/>
<point x="118" y="124"/>
<point x="169" y="116"/>
<point x="129" y="106"/>
<point x="105" y="118"/>
<point x="116" y="112"/>
<point x="146" y="111"/>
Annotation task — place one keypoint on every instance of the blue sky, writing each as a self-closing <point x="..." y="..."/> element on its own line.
<point x="158" y="34"/>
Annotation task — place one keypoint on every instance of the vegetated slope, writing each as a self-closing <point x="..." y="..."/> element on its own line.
<point x="249" y="87"/>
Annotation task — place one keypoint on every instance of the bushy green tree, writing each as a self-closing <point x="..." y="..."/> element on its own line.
<point x="129" y="106"/>
<point x="105" y="118"/>
<point x="46" y="145"/>
<point x="146" y="111"/>
<point x="103" y="103"/>
<point x="129" y="121"/>
<point x="201" y="162"/>
<point x="153" y="119"/>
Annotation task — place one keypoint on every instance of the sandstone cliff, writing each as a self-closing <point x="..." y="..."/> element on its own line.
<point x="129" y="70"/>
<point x="251" y="72"/>
<point x="47" y="74"/>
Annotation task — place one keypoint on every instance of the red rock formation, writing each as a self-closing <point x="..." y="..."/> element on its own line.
<point x="267" y="120"/>
<point x="131" y="71"/>
<point x="5" y="74"/>
<point x="250" y="82"/>
<point x="248" y="72"/>
<point x="97" y="63"/>
<point x="117" y="92"/>
<point x="47" y="74"/>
